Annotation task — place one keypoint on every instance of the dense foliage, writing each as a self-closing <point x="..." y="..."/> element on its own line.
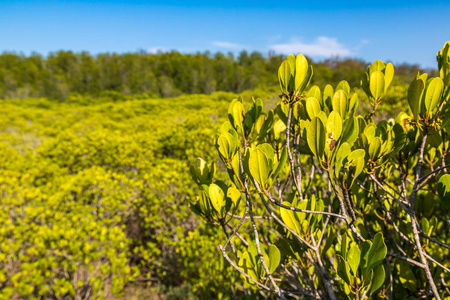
<point x="92" y="196"/>
<point x="65" y="73"/>
<point x="94" y="185"/>
<point x="324" y="201"/>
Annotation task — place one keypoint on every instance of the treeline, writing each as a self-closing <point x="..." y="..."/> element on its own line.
<point x="164" y="74"/>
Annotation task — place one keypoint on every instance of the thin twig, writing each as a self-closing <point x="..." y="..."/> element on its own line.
<point x="238" y="235"/>
<point x="288" y="148"/>
<point x="242" y="272"/>
<point x="248" y="217"/>
<point x="372" y="176"/>
<point x="411" y="261"/>
<point x="302" y="210"/>
<point x="311" y="175"/>
<point x="255" y="230"/>
<point x="231" y="244"/>
<point x="414" y="225"/>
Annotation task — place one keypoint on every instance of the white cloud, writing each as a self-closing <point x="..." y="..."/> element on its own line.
<point x="227" y="45"/>
<point x="322" y="46"/>
<point x="155" y="50"/>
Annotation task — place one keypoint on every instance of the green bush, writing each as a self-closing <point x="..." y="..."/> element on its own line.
<point x="323" y="202"/>
<point x="93" y="188"/>
<point x="92" y="196"/>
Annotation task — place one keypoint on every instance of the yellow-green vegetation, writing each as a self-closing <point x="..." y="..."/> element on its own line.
<point x="95" y="177"/>
<point x="93" y="196"/>
<point x="326" y="200"/>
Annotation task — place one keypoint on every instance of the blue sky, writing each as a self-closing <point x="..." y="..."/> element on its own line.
<point x="398" y="31"/>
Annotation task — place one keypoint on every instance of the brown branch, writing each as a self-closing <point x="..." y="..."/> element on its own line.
<point x="242" y="272"/>
<point x="302" y="210"/>
<point x="414" y="225"/>
<point x="288" y="149"/>
<point x="255" y="230"/>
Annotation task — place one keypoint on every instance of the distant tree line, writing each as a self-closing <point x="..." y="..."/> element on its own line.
<point x="163" y="74"/>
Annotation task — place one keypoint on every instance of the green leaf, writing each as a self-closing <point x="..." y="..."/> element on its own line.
<point x="343" y="85"/>
<point x="274" y="258"/>
<point x="433" y="95"/>
<point x="342" y="153"/>
<point x="344" y="245"/>
<point x="204" y="204"/>
<point x="259" y="167"/>
<point x="342" y="268"/>
<point x="365" y="85"/>
<point x="234" y="194"/>
<point x="328" y="94"/>
<point x="312" y="107"/>
<point x="329" y="241"/>
<point x="367" y="245"/>
<point x="377" y="252"/>
<point x="237" y="113"/>
<point x="333" y="132"/>
<point x="246" y="263"/>
<point x="362" y="124"/>
<point x="377" y="65"/>
<point x="354" y="102"/>
<point x="370" y="132"/>
<point x="227" y="127"/>
<point x="353" y="258"/>
<point x="374" y="148"/>
<point x="253" y="254"/>
<point x="217" y="197"/>
<point x="314" y="92"/>
<point x="350" y="131"/>
<point x="340" y="103"/>
<point x="406" y="275"/>
<point x="443" y="56"/>
<point x="248" y="119"/>
<point x="291" y="59"/>
<point x="354" y="156"/>
<point x="258" y="107"/>
<point x="425" y="225"/>
<point x="284" y="76"/>
<point x="377" y="85"/>
<point x="278" y="128"/>
<point x="288" y="217"/>
<point x="259" y="126"/>
<point x="368" y="278"/>
<point x="378" y="278"/>
<point x="356" y="159"/>
<point x="334" y="126"/>
<point x="415" y="92"/>
<point x="300" y="216"/>
<point x="444" y="188"/>
<point x="281" y="163"/>
<point x="388" y="76"/>
<point x="360" y="163"/>
<point x="323" y="117"/>
<point x="200" y="172"/>
<point x="433" y="222"/>
<point x="303" y="73"/>
<point x="268" y="151"/>
<point x="226" y="145"/>
<point x="316" y="137"/>
<point x="282" y="111"/>
<point x="299" y="110"/>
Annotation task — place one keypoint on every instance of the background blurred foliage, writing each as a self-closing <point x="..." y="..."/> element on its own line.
<point x="91" y="195"/>
<point x="94" y="185"/>
<point x="65" y="73"/>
